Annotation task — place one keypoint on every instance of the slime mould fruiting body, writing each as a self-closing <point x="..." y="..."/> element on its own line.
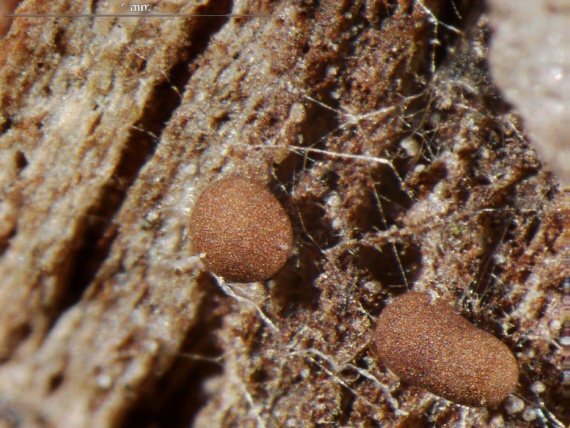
<point x="430" y="346"/>
<point x="241" y="230"/>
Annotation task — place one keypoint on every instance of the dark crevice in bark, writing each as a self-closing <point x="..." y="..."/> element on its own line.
<point x="462" y="15"/>
<point x="7" y="125"/>
<point x="5" y="240"/>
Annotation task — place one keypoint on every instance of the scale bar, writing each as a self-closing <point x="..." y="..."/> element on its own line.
<point x="129" y="15"/>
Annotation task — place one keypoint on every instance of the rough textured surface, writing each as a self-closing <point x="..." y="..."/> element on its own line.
<point x="530" y="59"/>
<point x="240" y="230"/>
<point x="428" y="345"/>
<point x="375" y="125"/>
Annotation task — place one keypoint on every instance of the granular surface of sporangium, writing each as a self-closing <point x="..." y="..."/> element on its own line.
<point x="427" y="344"/>
<point x="241" y="230"/>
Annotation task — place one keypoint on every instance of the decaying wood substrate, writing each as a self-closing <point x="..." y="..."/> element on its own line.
<point x="376" y="125"/>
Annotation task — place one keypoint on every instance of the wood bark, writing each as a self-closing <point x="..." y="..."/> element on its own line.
<point x="377" y="126"/>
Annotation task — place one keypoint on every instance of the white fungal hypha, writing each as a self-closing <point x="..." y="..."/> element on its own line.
<point x="530" y="62"/>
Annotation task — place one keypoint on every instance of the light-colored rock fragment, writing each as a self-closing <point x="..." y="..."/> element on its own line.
<point x="530" y="61"/>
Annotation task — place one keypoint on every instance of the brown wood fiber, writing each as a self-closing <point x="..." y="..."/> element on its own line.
<point x="375" y="124"/>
